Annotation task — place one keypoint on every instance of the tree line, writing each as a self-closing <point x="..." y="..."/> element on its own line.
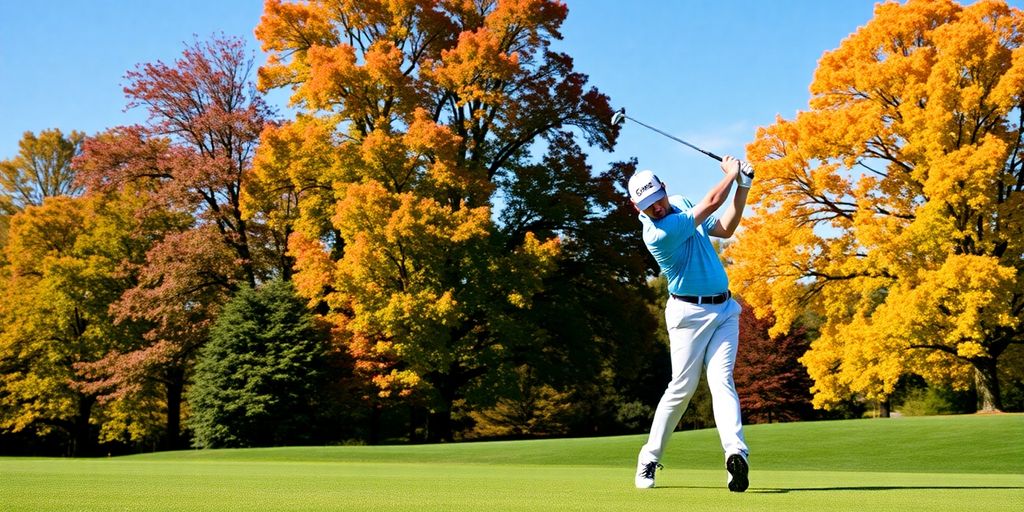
<point x="422" y="253"/>
<point x="218" y="276"/>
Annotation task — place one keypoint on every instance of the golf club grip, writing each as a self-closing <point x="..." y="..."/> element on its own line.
<point x="716" y="157"/>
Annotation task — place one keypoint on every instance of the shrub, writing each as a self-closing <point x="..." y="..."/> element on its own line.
<point x="925" y="402"/>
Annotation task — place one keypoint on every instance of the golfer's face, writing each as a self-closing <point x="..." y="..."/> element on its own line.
<point x="659" y="209"/>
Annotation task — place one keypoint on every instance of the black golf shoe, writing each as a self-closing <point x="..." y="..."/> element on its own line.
<point x="737" y="467"/>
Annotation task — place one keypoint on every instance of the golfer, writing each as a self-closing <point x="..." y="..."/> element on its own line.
<point x="702" y="317"/>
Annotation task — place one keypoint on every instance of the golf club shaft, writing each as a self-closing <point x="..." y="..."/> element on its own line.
<point x="708" y="153"/>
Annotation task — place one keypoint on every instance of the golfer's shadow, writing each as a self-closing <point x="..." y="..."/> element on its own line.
<point x="786" y="490"/>
<point x="874" y="488"/>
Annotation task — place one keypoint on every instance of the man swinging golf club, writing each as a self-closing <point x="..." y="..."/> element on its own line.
<point x="702" y="317"/>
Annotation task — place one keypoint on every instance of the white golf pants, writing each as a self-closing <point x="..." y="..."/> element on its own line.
<point x="701" y="336"/>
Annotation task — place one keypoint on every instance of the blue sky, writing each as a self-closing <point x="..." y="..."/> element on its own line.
<point x="709" y="72"/>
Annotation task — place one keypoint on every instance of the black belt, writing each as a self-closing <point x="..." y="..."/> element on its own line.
<point x="704" y="299"/>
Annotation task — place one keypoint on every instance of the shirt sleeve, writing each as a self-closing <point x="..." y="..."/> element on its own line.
<point x="709" y="223"/>
<point x="686" y="205"/>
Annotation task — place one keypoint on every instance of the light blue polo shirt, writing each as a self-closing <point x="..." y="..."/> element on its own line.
<point x="684" y="252"/>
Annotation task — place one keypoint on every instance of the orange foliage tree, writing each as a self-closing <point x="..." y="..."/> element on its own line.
<point x="893" y="207"/>
<point x="411" y="113"/>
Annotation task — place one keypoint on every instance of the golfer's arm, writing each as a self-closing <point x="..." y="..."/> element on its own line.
<point x="714" y="199"/>
<point x="730" y="220"/>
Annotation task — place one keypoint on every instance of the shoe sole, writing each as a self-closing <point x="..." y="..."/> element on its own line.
<point x="737" y="467"/>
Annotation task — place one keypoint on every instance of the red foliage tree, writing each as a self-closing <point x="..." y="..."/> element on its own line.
<point x="205" y="118"/>
<point x="772" y="384"/>
<point x="193" y="156"/>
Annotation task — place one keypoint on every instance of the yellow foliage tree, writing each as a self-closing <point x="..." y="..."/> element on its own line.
<point x="41" y="169"/>
<point x="45" y="329"/>
<point x="893" y="207"/>
<point x="410" y="112"/>
<point x="70" y="259"/>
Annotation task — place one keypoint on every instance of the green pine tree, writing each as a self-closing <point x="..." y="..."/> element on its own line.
<point x="257" y="380"/>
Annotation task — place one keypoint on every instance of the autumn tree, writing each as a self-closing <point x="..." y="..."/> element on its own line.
<point x="130" y="379"/>
<point x="67" y="266"/>
<point x="193" y="156"/>
<point x="196" y="150"/>
<point x="43" y="328"/>
<point x="599" y="337"/>
<point x="772" y="384"/>
<point x="41" y="169"/>
<point x="893" y="207"/>
<point x="413" y="115"/>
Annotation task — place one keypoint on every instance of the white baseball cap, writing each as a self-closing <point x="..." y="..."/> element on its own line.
<point x="645" y="188"/>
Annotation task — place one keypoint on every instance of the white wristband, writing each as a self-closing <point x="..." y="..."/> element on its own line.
<point x="746" y="175"/>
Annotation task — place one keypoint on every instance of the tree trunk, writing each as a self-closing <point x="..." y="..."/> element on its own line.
<point x="175" y="386"/>
<point x="440" y="427"/>
<point x="986" y="382"/>
<point x="439" y="420"/>
<point x="884" y="408"/>
<point x="414" y="424"/>
<point x="81" y="437"/>
<point x="375" y="414"/>
<point x="441" y="424"/>
<point x="242" y="248"/>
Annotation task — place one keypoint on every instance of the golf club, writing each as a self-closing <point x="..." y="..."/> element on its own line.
<point x="620" y="115"/>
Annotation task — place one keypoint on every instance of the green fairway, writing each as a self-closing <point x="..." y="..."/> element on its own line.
<point x="934" y="463"/>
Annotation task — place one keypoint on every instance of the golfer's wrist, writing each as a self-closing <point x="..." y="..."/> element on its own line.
<point x="744" y="180"/>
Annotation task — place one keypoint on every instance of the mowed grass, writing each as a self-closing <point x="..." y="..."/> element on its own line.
<point x="934" y="463"/>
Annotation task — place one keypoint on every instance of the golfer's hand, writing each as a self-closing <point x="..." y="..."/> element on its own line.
<point x="730" y="166"/>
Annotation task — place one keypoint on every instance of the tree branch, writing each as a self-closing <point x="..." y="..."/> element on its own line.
<point x="941" y="348"/>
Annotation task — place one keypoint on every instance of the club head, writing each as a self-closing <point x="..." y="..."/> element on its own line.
<point x="619" y="117"/>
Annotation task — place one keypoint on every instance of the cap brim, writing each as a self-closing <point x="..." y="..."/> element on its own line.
<point x="646" y="202"/>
